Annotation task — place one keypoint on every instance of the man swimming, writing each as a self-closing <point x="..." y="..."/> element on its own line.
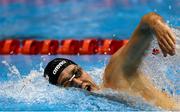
<point x="122" y="73"/>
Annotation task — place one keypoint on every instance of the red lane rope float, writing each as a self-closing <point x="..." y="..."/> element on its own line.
<point x="155" y="51"/>
<point x="10" y="46"/>
<point x="88" y="46"/>
<point x="122" y="43"/>
<point x="1" y="46"/>
<point x="30" y="47"/>
<point x="110" y="46"/>
<point x="69" y="46"/>
<point x="49" y="47"/>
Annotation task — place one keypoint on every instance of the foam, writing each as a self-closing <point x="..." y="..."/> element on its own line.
<point x="34" y="88"/>
<point x="158" y="68"/>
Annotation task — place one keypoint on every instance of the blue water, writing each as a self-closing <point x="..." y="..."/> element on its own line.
<point x="22" y="86"/>
<point x="80" y="18"/>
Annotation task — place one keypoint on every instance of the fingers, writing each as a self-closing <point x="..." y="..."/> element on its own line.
<point x="164" y="53"/>
<point x="165" y="41"/>
<point x="170" y="41"/>
<point x="167" y="44"/>
<point x="163" y="49"/>
<point x="171" y="34"/>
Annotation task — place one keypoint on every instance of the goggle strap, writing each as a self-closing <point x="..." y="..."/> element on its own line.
<point x="72" y="78"/>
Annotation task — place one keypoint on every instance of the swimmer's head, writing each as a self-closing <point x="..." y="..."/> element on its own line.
<point x="64" y="72"/>
<point x="55" y="67"/>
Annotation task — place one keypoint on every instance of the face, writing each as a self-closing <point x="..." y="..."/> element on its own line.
<point x="74" y="76"/>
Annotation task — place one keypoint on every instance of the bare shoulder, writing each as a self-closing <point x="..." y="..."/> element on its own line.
<point x="127" y="60"/>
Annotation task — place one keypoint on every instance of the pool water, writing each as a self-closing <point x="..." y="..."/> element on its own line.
<point x="59" y="19"/>
<point x="22" y="86"/>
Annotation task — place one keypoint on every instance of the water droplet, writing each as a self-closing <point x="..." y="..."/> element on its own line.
<point x="170" y="7"/>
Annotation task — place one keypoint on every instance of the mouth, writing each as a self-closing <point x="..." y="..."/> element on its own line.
<point x="88" y="88"/>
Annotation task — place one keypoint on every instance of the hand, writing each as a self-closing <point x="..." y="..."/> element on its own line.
<point x="165" y="37"/>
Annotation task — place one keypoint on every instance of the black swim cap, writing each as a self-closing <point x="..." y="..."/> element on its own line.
<point x="55" y="67"/>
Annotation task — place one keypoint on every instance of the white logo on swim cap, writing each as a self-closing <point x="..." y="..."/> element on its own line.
<point x="58" y="66"/>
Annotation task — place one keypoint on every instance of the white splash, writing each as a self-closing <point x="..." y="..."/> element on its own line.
<point x="97" y="74"/>
<point x="156" y="66"/>
<point x="12" y="70"/>
<point x="34" y="88"/>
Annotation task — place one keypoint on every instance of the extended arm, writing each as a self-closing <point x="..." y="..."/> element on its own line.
<point x="127" y="59"/>
<point x="122" y="71"/>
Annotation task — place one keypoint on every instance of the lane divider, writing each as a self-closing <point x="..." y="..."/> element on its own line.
<point x="30" y="47"/>
<point x="88" y="46"/>
<point x="9" y="46"/>
<point x="68" y="47"/>
<point x="49" y="47"/>
<point x="110" y="46"/>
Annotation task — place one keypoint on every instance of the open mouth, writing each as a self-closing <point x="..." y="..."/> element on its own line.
<point x="88" y="88"/>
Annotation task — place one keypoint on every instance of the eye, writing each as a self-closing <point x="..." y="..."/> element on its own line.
<point x="78" y="72"/>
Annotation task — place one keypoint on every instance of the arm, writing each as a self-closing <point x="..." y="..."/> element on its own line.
<point x="127" y="59"/>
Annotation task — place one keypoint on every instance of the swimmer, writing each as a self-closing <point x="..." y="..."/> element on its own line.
<point x="122" y="73"/>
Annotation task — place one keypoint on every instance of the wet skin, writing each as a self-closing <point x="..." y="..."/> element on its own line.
<point x="122" y="73"/>
<point x="84" y="81"/>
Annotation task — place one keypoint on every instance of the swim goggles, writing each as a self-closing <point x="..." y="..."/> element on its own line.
<point x="76" y="73"/>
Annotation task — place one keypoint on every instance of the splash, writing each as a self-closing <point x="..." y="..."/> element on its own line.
<point x="163" y="70"/>
<point x="33" y="88"/>
<point x="13" y="71"/>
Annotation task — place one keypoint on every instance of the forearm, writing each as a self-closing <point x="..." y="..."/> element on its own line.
<point x="131" y="55"/>
<point x="127" y="59"/>
<point x="134" y="52"/>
